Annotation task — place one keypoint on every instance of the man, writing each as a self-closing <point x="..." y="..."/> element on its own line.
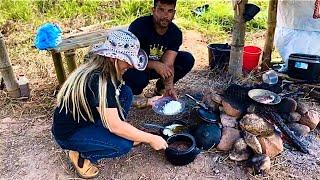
<point x="160" y="39"/>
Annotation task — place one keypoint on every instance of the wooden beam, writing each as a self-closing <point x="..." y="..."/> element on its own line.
<point x="6" y="71"/>
<point x="58" y="66"/>
<point x="268" y="45"/>
<point x="70" y="56"/>
<point x="238" y="38"/>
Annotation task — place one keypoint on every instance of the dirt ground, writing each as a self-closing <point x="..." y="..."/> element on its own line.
<point x="28" y="151"/>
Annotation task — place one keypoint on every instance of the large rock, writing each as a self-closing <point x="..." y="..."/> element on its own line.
<point x="287" y="105"/>
<point x="299" y="129"/>
<point x="310" y="119"/>
<point x="228" y="121"/>
<point x="256" y="125"/>
<point x="231" y="108"/>
<point x="240" y="151"/>
<point x="272" y="145"/>
<point x="253" y="142"/>
<point x="291" y="117"/>
<point x="228" y="138"/>
<point x="302" y="108"/>
<point x="260" y="163"/>
<point x="294" y="117"/>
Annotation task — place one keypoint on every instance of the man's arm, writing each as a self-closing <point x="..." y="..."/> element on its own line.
<point x="168" y="58"/>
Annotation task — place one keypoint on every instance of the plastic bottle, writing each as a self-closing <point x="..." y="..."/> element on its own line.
<point x="270" y="77"/>
<point x="24" y="86"/>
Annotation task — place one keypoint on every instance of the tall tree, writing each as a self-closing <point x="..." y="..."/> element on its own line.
<point x="238" y="38"/>
<point x="268" y="45"/>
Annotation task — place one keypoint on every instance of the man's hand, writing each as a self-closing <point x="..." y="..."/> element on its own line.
<point x="151" y="101"/>
<point x="163" y="70"/>
<point x="172" y="93"/>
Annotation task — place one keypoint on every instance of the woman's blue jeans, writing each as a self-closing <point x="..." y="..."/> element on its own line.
<point x="95" y="142"/>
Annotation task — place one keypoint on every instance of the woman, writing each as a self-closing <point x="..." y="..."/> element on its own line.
<point x="93" y="102"/>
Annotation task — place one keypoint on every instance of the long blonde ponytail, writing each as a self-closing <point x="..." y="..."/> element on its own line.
<point x="74" y="89"/>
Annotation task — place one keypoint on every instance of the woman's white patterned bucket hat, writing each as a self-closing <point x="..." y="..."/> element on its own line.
<point x="125" y="46"/>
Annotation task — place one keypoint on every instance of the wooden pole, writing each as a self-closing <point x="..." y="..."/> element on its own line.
<point x="58" y="66"/>
<point x="70" y="57"/>
<point x="268" y="45"/>
<point x="6" y="71"/>
<point x="238" y="35"/>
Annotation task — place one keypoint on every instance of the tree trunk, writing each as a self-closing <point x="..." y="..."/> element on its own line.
<point x="6" y="71"/>
<point x="268" y="45"/>
<point x="238" y="38"/>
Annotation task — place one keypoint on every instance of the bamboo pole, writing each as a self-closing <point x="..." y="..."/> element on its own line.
<point x="58" y="66"/>
<point x="70" y="58"/>
<point x="268" y="45"/>
<point x="238" y="38"/>
<point x="6" y="71"/>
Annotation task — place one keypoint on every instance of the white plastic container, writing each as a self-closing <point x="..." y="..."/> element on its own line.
<point x="24" y="86"/>
<point x="270" y="77"/>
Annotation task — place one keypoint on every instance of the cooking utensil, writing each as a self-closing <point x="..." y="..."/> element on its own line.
<point x="167" y="130"/>
<point x="182" y="149"/>
<point x="160" y="103"/>
<point x="207" y="135"/>
<point x="264" y="96"/>
<point x="201" y="104"/>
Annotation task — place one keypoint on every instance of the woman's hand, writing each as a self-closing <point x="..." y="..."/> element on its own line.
<point x="157" y="142"/>
<point x="152" y="100"/>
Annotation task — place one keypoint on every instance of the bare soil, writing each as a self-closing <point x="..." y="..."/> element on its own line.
<point x="28" y="151"/>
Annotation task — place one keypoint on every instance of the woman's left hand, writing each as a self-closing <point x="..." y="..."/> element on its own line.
<point x="152" y="100"/>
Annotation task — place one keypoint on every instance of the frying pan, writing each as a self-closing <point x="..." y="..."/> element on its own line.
<point x="264" y="96"/>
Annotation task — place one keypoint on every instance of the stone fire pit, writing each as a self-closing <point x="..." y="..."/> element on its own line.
<point x="249" y="130"/>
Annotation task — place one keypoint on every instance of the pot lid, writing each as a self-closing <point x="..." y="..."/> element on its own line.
<point x="208" y="116"/>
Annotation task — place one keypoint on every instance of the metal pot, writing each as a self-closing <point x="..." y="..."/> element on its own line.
<point x="184" y="155"/>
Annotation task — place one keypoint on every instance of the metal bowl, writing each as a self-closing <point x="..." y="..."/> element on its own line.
<point x="264" y="96"/>
<point x="160" y="103"/>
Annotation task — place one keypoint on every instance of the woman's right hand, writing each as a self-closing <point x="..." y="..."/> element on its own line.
<point x="157" y="142"/>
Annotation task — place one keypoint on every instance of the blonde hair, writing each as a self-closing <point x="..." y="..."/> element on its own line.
<point x="74" y="89"/>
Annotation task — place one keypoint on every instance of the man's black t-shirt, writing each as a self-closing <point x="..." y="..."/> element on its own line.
<point x="153" y="43"/>
<point x="64" y="124"/>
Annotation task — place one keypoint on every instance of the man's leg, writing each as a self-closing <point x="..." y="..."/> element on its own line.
<point x="136" y="80"/>
<point x="182" y="65"/>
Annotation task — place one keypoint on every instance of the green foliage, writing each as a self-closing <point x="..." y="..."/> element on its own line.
<point x="217" y="20"/>
<point x="15" y="10"/>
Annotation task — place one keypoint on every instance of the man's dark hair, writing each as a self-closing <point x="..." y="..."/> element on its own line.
<point x="164" y="2"/>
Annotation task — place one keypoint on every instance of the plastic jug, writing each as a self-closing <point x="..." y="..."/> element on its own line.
<point x="270" y="77"/>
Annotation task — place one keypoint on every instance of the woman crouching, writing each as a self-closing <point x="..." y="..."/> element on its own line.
<point x="93" y="104"/>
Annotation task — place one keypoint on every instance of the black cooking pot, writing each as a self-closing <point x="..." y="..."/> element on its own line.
<point x="207" y="116"/>
<point x="182" y="149"/>
<point x="207" y="135"/>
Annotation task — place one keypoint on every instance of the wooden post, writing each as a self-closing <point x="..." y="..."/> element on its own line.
<point x="238" y="35"/>
<point x="268" y="45"/>
<point x="70" y="58"/>
<point x="6" y="71"/>
<point x="57" y="61"/>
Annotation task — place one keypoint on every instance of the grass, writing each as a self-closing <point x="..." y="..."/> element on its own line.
<point x="217" y="21"/>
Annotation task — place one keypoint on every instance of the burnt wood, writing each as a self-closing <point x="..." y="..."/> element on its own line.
<point x="276" y="118"/>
